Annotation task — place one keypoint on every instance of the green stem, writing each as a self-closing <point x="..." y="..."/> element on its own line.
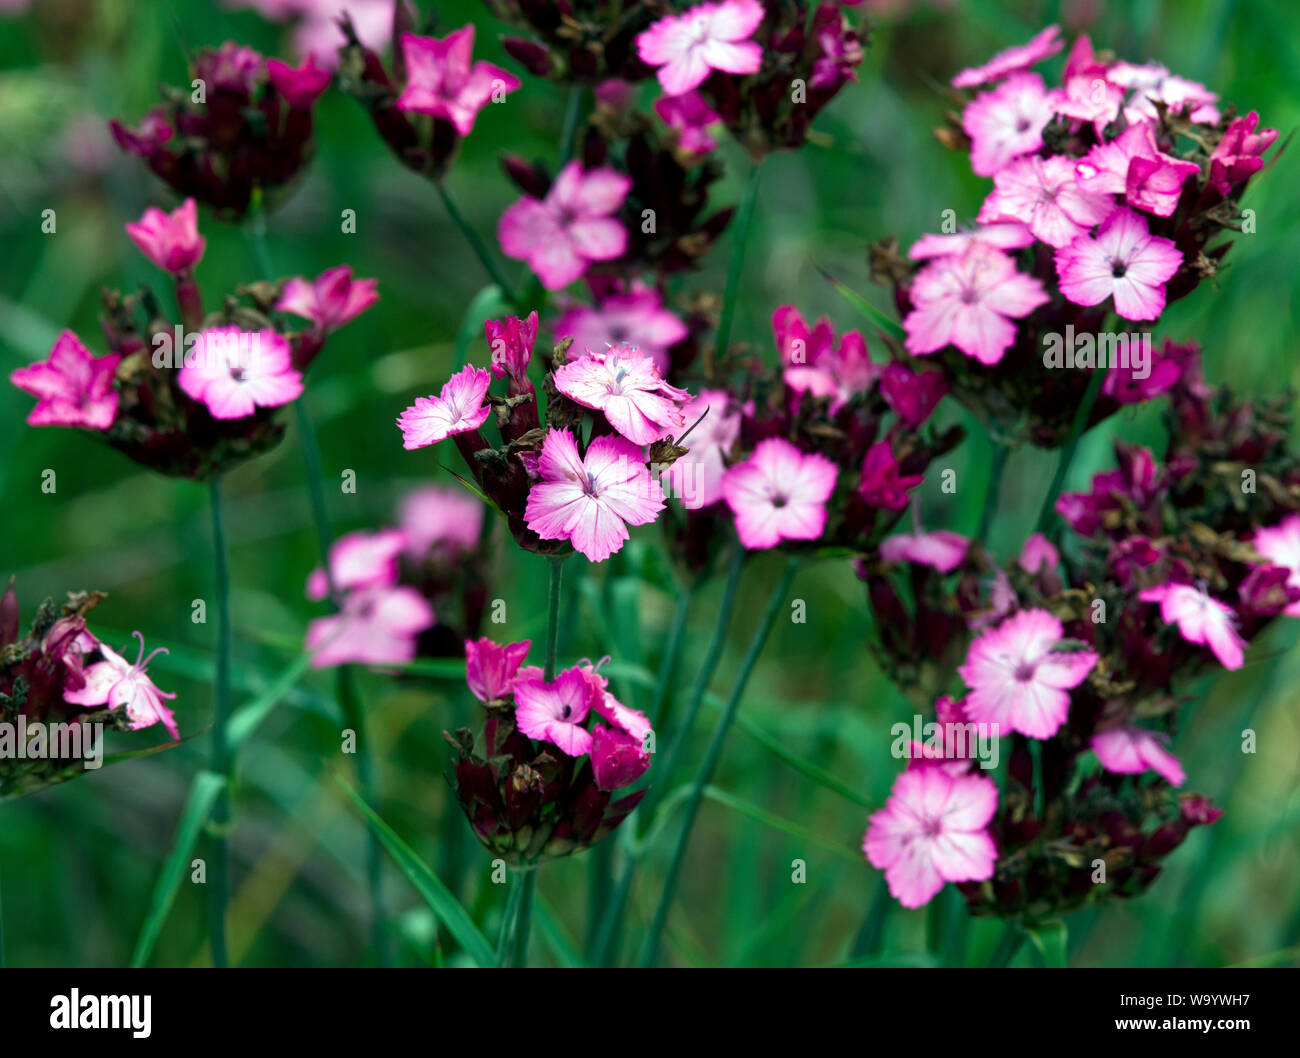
<point x="512" y="946"/>
<point x="218" y="868"/>
<point x="650" y="949"/>
<point x="569" y="131"/>
<point x="477" y="244"/>
<point x="1008" y="944"/>
<point x="553" y="617"/>
<point x="1081" y="413"/>
<point x="996" y="470"/>
<point x="736" y="262"/>
<point x="672" y="658"/>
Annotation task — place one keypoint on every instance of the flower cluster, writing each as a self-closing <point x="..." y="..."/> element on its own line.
<point x="551" y="754"/>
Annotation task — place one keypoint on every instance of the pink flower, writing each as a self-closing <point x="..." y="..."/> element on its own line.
<point x="706" y="37"/>
<point x="170" y="240"/>
<point x="637" y="318"/>
<point x="1237" y="155"/>
<point x="1132" y="165"/>
<point x="1280" y="544"/>
<point x="969" y="301"/>
<point x="628" y="389"/>
<point x="696" y="478"/>
<point x="1006" y="122"/>
<point x="812" y="364"/>
<point x="72" y="387"/>
<point x="441" y="81"/>
<point x="359" y="560"/>
<point x="117" y="683"/>
<point x="235" y="372"/>
<point x="933" y="830"/>
<point x="779" y="493"/>
<point x="1201" y="620"/>
<point x="690" y="116"/>
<point x="617" y="759"/>
<point x="1124" y="261"/>
<point x="1037" y="553"/>
<point x="377" y="626"/>
<point x="1043" y="193"/>
<point x="554" y="712"/>
<point x="912" y="394"/>
<point x="883" y="483"/>
<point x="1088" y="97"/>
<point x="1013" y="60"/>
<point x="457" y="409"/>
<point x="1153" y="82"/>
<point x="559" y="236"/>
<point x="330" y="300"/>
<point x="1019" y="680"/>
<point x="490" y="668"/>
<point x="590" y="502"/>
<point x="939" y="550"/>
<point x="301" y="85"/>
<point x="450" y="519"/>
<point x="1130" y="750"/>
<point x="511" y="341"/>
<point x="1003" y="236"/>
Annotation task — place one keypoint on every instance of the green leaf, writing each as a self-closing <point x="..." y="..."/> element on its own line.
<point x="439" y="898"/>
<point x="487" y="304"/>
<point x="1050" y="939"/>
<point x="247" y="718"/>
<point x="556" y="936"/>
<point x="915" y="960"/>
<point x="19" y="785"/>
<point x="883" y="322"/>
<point x="777" y="823"/>
<point x="202" y="796"/>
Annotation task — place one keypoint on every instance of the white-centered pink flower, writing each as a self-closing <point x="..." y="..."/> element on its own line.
<point x="359" y="560"/>
<point x="1125" y="262"/>
<point x="1010" y="235"/>
<point x="625" y="386"/>
<point x="234" y="372"/>
<point x="1007" y="122"/>
<point x="1012" y="60"/>
<point x="460" y="407"/>
<point x="1280" y="544"/>
<point x="591" y="501"/>
<point x="696" y="478"/>
<point x="969" y="300"/>
<point x="1020" y="678"/>
<point x="637" y="318"/>
<point x="939" y="550"/>
<point x="932" y="830"/>
<point x="1132" y="165"/>
<point x="1152" y="83"/>
<point x="1130" y="750"/>
<point x="779" y="493"/>
<point x="377" y="626"/>
<point x="443" y="80"/>
<point x="119" y="684"/>
<point x="1088" y="97"/>
<point x="1044" y="194"/>
<point x="170" y="240"/>
<point x="1201" y="619"/>
<point x="554" y="712"/>
<point x="703" y="38"/>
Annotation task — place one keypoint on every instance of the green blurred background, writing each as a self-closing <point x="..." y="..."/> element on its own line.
<point x="79" y="862"/>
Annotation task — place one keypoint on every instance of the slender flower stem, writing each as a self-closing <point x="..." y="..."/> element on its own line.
<point x="512" y="945"/>
<point x="672" y="657"/>
<point x="996" y="470"/>
<point x="650" y="948"/>
<point x="553" y="616"/>
<point x="477" y="244"/>
<point x="569" y="131"/>
<point x="735" y="266"/>
<point x="218" y="869"/>
<point x="1008" y="944"/>
<point x="1081" y="413"/>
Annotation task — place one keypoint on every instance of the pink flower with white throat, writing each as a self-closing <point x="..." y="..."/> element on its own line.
<point x="117" y="683"/>
<point x="554" y="712"/>
<point x="170" y="240"/>
<point x="637" y="318"/>
<point x="1007" y="122"/>
<point x="696" y="477"/>
<point x="234" y="372"/>
<point x="442" y="79"/>
<point x="1019" y="676"/>
<point x="1044" y="194"/>
<point x="1130" y="750"/>
<point x="707" y="37"/>
<point x="932" y="830"/>
<point x="1125" y="261"/>
<point x="779" y="493"/>
<point x="591" y="501"/>
<point x="1132" y="165"/>
<point x="377" y="626"/>
<point x="561" y="235"/>
<point x="626" y="387"/>
<point x="330" y="300"/>
<point x="1280" y="544"/>
<point x="1201" y="620"/>
<point x="969" y="301"/>
<point x="72" y="388"/>
<point x="1014" y="60"/>
<point x="460" y="407"/>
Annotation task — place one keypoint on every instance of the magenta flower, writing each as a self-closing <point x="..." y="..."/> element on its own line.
<point x="1044" y="194"/>
<point x="883" y="483"/>
<point x="554" y="712"/>
<point x="72" y="388"/>
<point x="117" y="683"/>
<point x="235" y="372"/>
<point x="1280" y="544"/>
<point x="511" y="341"/>
<point x="912" y="394"/>
<point x="330" y="300"/>
<point x="559" y="236"/>
<point x="590" y="502"/>
<point x="442" y="80"/>
<point x="939" y="550"/>
<point x="170" y="240"/>
<point x="1237" y="155"/>
<point x="457" y="409"/>
<point x="779" y="493"/>
<point x="627" y="388"/>
<point x="359" y="560"/>
<point x="377" y="626"/>
<point x="1007" y="122"/>
<point x="690" y="117"/>
<point x="1020" y="679"/>
<point x="1125" y="262"/>
<point x="969" y="301"/>
<point x="301" y="85"/>
<point x="450" y="519"/>
<point x="490" y="668"/>
<point x="706" y="37"/>
<point x="617" y="759"/>
<point x="811" y="362"/>
<point x="1011" y="235"/>
<point x="1132" y="165"/>
<point x="1201" y="620"/>
<point x="637" y="318"/>
<point x="933" y="829"/>
<point x="1038" y="552"/>
<point x="1130" y="750"/>
<point x="1013" y="60"/>
<point x="696" y="477"/>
